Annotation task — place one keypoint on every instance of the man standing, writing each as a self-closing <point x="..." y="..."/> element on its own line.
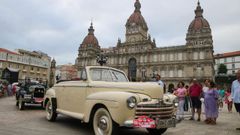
<point x="236" y="93"/>
<point x="160" y="82"/>
<point x="195" y="94"/>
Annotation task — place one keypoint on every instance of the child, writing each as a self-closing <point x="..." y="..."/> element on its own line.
<point x="228" y="100"/>
<point x="187" y="100"/>
<point x="221" y="93"/>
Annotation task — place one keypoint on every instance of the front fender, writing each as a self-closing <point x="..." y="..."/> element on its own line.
<point x="49" y="95"/>
<point x="115" y="102"/>
<point x="169" y="98"/>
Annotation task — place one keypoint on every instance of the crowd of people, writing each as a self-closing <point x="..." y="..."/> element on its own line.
<point x="7" y="89"/>
<point x="208" y="98"/>
<point x="10" y="89"/>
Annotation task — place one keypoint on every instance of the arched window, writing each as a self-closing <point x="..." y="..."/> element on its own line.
<point x="132" y="69"/>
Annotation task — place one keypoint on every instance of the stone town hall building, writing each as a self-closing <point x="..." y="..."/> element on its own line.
<point x="141" y="59"/>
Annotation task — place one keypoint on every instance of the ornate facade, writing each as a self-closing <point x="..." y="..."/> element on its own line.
<point x="141" y="59"/>
<point x="32" y="65"/>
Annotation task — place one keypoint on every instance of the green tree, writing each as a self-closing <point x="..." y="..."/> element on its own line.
<point x="222" y="69"/>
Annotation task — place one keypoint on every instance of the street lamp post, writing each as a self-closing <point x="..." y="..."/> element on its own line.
<point x="102" y="59"/>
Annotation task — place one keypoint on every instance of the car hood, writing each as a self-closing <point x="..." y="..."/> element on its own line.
<point x="152" y="89"/>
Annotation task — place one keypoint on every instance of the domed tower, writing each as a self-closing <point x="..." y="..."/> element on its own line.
<point x="88" y="49"/>
<point x="199" y="45"/>
<point x="90" y="41"/>
<point x="199" y="31"/>
<point x="136" y="26"/>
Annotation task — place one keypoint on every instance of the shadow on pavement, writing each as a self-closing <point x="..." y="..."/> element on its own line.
<point x="77" y="125"/>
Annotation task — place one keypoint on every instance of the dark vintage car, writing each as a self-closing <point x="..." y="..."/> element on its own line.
<point x="30" y="94"/>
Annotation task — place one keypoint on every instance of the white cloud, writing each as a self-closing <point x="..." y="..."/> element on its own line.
<point x="58" y="27"/>
<point x="227" y="38"/>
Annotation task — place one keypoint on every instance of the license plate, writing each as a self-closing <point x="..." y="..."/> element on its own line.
<point x="144" y="122"/>
<point x="27" y="96"/>
<point x="38" y="100"/>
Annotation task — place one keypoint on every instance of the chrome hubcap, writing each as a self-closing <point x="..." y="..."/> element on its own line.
<point x="102" y="124"/>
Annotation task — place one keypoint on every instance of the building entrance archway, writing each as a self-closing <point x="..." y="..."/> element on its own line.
<point x="132" y="69"/>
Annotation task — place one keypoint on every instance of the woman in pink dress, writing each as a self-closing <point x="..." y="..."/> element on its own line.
<point x="180" y="93"/>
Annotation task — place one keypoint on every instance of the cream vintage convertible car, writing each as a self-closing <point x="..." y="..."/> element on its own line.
<point x="104" y="97"/>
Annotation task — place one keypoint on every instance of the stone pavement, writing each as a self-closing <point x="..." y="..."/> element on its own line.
<point x="32" y="122"/>
<point x="226" y="125"/>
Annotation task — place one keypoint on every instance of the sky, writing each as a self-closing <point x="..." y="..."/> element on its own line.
<point x="58" y="27"/>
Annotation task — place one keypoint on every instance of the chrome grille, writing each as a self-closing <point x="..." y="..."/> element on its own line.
<point x="39" y="93"/>
<point x="154" y="110"/>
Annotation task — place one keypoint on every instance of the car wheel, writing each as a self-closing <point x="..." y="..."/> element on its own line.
<point x="21" y="103"/>
<point x="156" y="131"/>
<point x="103" y="123"/>
<point x="51" y="111"/>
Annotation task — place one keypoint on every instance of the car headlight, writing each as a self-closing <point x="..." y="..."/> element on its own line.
<point x="131" y="102"/>
<point x="176" y="102"/>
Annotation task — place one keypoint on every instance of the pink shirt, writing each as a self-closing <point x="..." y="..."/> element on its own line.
<point x="181" y="92"/>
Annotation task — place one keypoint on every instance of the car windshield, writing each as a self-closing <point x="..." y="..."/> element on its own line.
<point x="101" y="74"/>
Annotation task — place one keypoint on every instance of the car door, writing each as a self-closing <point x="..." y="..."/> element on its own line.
<point x="60" y="95"/>
<point x="76" y="94"/>
<point x="75" y="98"/>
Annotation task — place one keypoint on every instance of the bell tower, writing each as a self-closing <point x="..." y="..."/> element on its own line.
<point x="136" y="26"/>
